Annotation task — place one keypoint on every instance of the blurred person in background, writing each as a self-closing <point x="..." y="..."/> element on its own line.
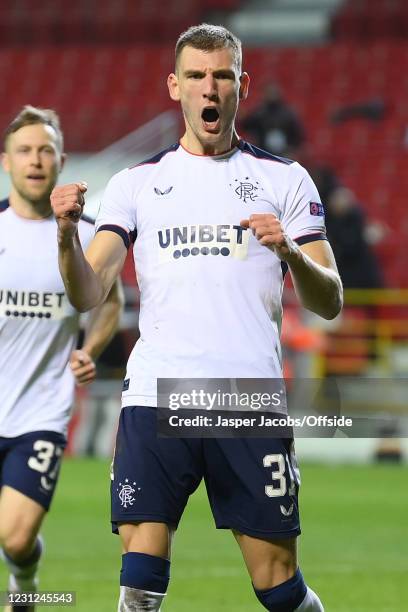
<point x="214" y="221"/>
<point x="39" y="364"/>
<point x="274" y="125"/>
<point x="324" y="177"/>
<point x="347" y="232"/>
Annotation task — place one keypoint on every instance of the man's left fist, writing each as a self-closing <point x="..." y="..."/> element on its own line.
<point x="267" y="228"/>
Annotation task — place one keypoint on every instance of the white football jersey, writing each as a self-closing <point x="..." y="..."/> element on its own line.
<point x="38" y="326"/>
<point x="210" y="304"/>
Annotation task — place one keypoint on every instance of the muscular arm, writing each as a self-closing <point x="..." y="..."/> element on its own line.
<point x="316" y="279"/>
<point x="89" y="279"/>
<point x="312" y="266"/>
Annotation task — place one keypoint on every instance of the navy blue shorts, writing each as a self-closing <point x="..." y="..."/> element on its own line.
<point x="30" y="464"/>
<point x="252" y="484"/>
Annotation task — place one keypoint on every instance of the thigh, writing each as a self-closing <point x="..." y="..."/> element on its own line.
<point x="20" y="519"/>
<point x="152" y="477"/>
<point x="31" y="465"/>
<point x="253" y="486"/>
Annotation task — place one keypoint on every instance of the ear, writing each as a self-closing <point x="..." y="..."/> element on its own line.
<point x="5" y="162"/>
<point x="244" y="86"/>
<point x="174" y="90"/>
<point x="63" y="160"/>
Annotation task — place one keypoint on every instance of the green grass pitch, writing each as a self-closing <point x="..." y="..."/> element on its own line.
<point x="353" y="550"/>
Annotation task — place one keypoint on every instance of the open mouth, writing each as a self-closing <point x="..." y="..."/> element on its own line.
<point x="210" y="117"/>
<point x="36" y="177"/>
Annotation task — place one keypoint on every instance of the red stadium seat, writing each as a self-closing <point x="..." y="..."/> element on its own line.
<point x="371" y="19"/>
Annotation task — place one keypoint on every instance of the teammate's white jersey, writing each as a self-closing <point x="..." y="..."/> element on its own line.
<point x="38" y="326"/>
<point x="210" y="292"/>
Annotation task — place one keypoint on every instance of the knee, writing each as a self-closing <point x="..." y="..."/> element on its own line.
<point x="18" y="544"/>
<point x="17" y="537"/>
<point x="286" y="596"/>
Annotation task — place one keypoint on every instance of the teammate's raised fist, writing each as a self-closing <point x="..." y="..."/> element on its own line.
<point x="67" y="202"/>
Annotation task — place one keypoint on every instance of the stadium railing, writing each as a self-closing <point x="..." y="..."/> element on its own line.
<point x="370" y="338"/>
<point x="151" y="137"/>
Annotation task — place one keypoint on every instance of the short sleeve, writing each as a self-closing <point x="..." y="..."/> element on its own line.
<point x="303" y="216"/>
<point x="117" y="212"/>
<point x="86" y="231"/>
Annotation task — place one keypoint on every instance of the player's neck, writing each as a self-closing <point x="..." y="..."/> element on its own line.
<point x="194" y="145"/>
<point x="28" y="210"/>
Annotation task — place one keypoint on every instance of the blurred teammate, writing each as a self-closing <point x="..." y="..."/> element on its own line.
<point x="38" y="332"/>
<point x="215" y="221"/>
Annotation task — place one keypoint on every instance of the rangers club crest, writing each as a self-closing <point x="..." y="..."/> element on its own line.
<point x="246" y="190"/>
<point x="126" y="493"/>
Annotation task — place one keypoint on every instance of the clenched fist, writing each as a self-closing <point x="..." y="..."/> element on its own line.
<point x="83" y="367"/>
<point x="67" y="202"/>
<point x="267" y="228"/>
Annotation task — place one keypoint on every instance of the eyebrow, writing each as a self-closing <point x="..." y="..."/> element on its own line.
<point x="216" y="73"/>
<point x="38" y="146"/>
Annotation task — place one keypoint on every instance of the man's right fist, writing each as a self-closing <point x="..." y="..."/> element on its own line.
<point x="67" y="202"/>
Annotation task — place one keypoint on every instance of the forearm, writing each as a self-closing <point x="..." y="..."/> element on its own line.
<point x="103" y="323"/>
<point x="318" y="288"/>
<point x="83" y="287"/>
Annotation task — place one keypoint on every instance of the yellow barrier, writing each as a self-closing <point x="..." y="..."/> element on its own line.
<point x="370" y="338"/>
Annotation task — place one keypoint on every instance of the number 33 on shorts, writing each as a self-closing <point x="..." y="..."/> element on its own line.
<point x="46" y="461"/>
<point x="284" y="469"/>
<point x="30" y="464"/>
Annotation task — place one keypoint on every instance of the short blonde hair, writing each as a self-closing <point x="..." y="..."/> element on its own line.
<point x="31" y="115"/>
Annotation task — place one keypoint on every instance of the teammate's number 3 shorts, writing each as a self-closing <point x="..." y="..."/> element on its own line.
<point x="30" y="464"/>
